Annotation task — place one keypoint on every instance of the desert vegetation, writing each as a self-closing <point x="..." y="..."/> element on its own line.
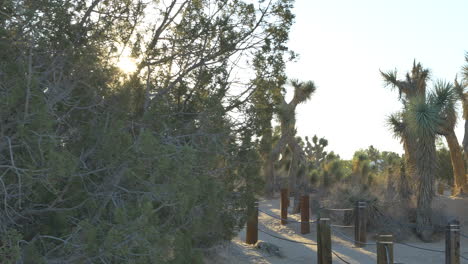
<point x="160" y="159"/>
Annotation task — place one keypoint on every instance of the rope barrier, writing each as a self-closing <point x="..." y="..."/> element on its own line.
<point x="421" y="248"/>
<point x="351" y="239"/>
<point x="387" y="219"/>
<point x="295" y="221"/>
<point x="286" y="239"/>
<point x="343" y="226"/>
<point x="340" y="258"/>
<point x="337" y="209"/>
<point x="305" y="243"/>
<point x="290" y="220"/>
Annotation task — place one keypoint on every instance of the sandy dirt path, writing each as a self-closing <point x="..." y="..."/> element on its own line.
<point x="236" y="251"/>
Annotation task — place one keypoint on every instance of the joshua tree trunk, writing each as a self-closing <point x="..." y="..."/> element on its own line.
<point x="465" y="139"/>
<point x="270" y="167"/>
<point x="425" y="169"/>
<point x="458" y="163"/>
<point x="293" y="184"/>
<point x="296" y="181"/>
<point x="424" y="214"/>
<point x="463" y="96"/>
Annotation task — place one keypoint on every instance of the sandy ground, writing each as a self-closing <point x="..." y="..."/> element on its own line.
<point x="236" y="251"/>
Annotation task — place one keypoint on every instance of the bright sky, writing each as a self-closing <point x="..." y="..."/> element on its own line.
<point x="343" y="44"/>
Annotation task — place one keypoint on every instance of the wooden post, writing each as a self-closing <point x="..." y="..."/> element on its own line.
<point x="360" y="224"/>
<point x="305" y="225"/>
<point x="284" y="206"/>
<point x="251" y="236"/>
<point x="385" y="249"/>
<point x="452" y="243"/>
<point x="324" y="254"/>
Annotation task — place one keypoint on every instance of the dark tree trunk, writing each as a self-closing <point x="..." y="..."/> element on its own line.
<point x="296" y="180"/>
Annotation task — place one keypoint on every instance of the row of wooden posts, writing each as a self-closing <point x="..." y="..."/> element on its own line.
<point x="324" y="247"/>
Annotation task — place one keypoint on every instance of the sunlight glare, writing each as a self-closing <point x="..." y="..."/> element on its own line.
<point x="126" y="64"/>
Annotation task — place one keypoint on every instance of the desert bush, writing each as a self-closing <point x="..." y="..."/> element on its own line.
<point x="385" y="212"/>
<point x="346" y="195"/>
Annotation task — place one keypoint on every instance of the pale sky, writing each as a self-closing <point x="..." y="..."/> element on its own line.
<point x="343" y="44"/>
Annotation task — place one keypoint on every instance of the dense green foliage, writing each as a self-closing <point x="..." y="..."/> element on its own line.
<point x="101" y="166"/>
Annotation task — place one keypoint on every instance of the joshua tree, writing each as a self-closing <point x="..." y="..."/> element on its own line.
<point x="417" y="125"/>
<point x="316" y="153"/>
<point x="286" y="113"/>
<point x="409" y="89"/>
<point x="463" y="97"/>
<point x="361" y="168"/>
<point x="389" y="163"/>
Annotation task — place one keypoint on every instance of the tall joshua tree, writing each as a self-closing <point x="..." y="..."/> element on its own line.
<point x="418" y="125"/>
<point x="463" y="97"/>
<point x="286" y="113"/>
<point x="409" y="89"/>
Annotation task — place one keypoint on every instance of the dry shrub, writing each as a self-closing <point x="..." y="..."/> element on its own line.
<point x="387" y="213"/>
<point x="346" y="195"/>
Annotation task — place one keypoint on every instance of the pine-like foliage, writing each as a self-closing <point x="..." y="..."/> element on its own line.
<point x="102" y="166"/>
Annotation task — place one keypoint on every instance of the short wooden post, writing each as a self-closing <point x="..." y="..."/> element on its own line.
<point x="324" y="254"/>
<point x="360" y="224"/>
<point x="251" y="236"/>
<point x="284" y="206"/>
<point x="452" y="243"/>
<point x="385" y="249"/>
<point x="305" y="225"/>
